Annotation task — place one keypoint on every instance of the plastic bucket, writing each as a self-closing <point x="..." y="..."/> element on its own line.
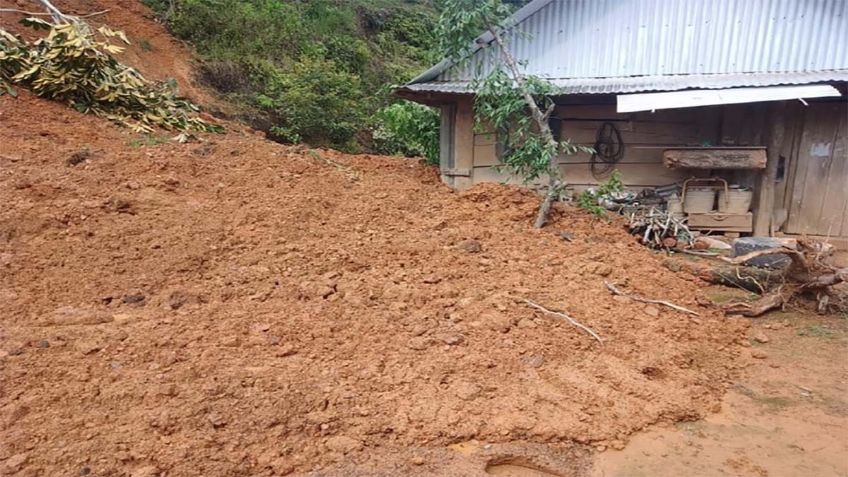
<point x="735" y="201"/>
<point x="699" y="200"/>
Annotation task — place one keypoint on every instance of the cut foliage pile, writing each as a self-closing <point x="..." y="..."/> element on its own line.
<point x="239" y="307"/>
<point x="73" y="65"/>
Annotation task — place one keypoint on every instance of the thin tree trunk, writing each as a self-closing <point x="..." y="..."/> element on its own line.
<point x="554" y="183"/>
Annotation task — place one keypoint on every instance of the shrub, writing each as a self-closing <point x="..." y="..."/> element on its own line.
<point x="265" y="54"/>
<point x="408" y="129"/>
<point x="315" y="100"/>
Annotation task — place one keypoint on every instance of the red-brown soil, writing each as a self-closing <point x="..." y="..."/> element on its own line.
<point x="239" y="307"/>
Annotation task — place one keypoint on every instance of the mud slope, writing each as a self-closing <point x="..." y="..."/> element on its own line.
<point x="240" y="307"/>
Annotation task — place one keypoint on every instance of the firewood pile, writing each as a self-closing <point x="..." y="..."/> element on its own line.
<point x="656" y="228"/>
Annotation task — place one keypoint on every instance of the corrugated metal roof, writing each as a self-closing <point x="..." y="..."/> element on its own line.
<point x="617" y="46"/>
<point x="632" y="84"/>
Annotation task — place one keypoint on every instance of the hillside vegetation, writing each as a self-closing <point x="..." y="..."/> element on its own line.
<point x="316" y="71"/>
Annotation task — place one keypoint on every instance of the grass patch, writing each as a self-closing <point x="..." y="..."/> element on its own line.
<point x="817" y="331"/>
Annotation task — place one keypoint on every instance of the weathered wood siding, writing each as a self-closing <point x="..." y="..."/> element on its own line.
<point x="817" y="197"/>
<point x="645" y="136"/>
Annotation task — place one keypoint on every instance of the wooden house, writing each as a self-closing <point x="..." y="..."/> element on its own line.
<point x="751" y="91"/>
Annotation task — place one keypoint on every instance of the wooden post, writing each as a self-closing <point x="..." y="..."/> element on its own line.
<point x="774" y="142"/>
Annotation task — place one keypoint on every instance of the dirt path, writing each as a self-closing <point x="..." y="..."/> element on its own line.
<point x="786" y="416"/>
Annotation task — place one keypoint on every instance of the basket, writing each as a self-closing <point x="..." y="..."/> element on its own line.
<point x="735" y="201"/>
<point x="701" y="199"/>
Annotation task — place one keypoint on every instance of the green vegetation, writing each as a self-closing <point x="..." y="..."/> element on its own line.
<point x="516" y="105"/>
<point x="315" y="71"/>
<point x="590" y="198"/>
<point x="408" y="129"/>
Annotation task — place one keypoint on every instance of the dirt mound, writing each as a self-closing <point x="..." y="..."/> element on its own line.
<point x="241" y="307"/>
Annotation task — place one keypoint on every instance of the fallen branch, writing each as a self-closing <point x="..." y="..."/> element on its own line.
<point x="759" y="307"/>
<point x="615" y="291"/>
<point x="563" y="315"/>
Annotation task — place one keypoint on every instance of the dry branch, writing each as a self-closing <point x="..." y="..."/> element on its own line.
<point x="615" y="291"/>
<point x="563" y="315"/>
<point x="770" y="301"/>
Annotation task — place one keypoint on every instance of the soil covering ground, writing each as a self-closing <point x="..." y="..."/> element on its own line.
<point x="239" y="307"/>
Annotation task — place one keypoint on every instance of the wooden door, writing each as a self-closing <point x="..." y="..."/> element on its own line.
<point x="819" y="191"/>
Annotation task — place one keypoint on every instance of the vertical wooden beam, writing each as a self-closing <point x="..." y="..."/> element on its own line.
<point x="774" y="143"/>
<point x="447" y="128"/>
<point x="464" y="144"/>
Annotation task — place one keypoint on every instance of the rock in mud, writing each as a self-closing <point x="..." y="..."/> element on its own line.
<point x="471" y="246"/>
<point x="417" y="343"/>
<point x="453" y="340"/>
<point x="134" y="299"/>
<point x="343" y="444"/>
<point x="761" y="338"/>
<point x="534" y="360"/>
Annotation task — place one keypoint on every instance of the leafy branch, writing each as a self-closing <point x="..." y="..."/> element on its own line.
<point x="74" y="64"/>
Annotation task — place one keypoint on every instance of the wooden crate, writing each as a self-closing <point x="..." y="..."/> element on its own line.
<point x="722" y="222"/>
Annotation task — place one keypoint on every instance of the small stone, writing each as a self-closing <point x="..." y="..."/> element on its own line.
<point x="80" y="156"/>
<point x="42" y="344"/>
<point x="343" y="444"/>
<point x="417" y="343"/>
<point x="453" y="340"/>
<point x="652" y="311"/>
<point x="467" y="391"/>
<point x="526" y="323"/>
<point x="417" y="460"/>
<point x="471" y="246"/>
<point x="534" y="360"/>
<point x="87" y="347"/>
<point x="759" y="354"/>
<point x="432" y="279"/>
<point x="286" y="349"/>
<point x="761" y="338"/>
<point x="134" y="299"/>
<point x="261" y="327"/>
<point x="216" y="420"/>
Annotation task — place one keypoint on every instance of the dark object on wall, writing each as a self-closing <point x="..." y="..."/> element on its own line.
<point x="609" y="149"/>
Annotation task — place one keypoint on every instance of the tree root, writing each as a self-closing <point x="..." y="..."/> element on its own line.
<point x="615" y="291"/>
<point x="568" y="318"/>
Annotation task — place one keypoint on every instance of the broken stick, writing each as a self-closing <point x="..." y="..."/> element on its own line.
<point x="615" y="291"/>
<point x="563" y="315"/>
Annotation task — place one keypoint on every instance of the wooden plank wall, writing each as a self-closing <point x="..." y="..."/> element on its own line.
<point x="645" y="136"/>
<point x="818" y="194"/>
